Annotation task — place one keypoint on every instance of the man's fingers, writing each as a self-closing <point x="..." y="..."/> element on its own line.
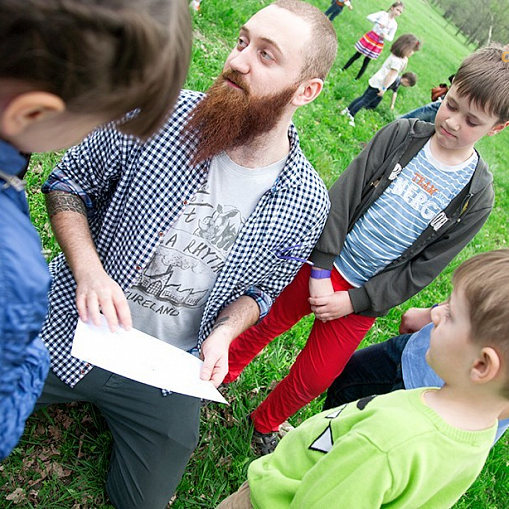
<point x="110" y="313"/>
<point x="81" y="304"/>
<point x="92" y="303"/>
<point x="123" y="312"/>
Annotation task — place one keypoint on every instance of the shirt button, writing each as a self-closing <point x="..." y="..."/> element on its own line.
<point x="185" y="202"/>
<point x="161" y="234"/>
<point x="138" y="267"/>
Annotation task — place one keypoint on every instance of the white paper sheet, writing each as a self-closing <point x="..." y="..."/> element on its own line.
<point x="143" y="358"/>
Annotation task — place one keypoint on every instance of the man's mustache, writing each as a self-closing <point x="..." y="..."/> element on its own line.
<point x="236" y="78"/>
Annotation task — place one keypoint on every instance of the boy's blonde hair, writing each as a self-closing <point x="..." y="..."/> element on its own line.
<point x="323" y="46"/>
<point x="100" y="56"/>
<point x="484" y="281"/>
<point x="483" y="77"/>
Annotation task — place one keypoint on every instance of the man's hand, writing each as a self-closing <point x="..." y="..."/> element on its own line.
<point x="414" y="319"/>
<point x="231" y="322"/>
<point x="331" y="307"/>
<point x="320" y="287"/>
<point x="215" y="358"/>
<point x="96" y="292"/>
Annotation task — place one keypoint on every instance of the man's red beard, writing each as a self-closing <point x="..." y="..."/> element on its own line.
<point x="229" y="117"/>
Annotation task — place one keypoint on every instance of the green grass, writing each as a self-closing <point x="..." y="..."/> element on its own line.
<point x="62" y="459"/>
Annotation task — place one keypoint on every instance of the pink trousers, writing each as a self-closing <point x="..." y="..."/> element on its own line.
<point x="326" y="353"/>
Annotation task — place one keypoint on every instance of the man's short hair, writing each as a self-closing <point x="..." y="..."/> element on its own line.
<point x="411" y="77"/>
<point x="484" y="281"/>
<point x="322" y="48"/>
<point x="483" y="77"/>
<point x="100" y="56"/>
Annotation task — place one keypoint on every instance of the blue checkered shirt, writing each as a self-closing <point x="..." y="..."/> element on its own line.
<point x="135" y="191"/>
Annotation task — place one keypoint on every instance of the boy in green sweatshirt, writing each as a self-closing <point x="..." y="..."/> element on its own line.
<point x="415" y="448"/>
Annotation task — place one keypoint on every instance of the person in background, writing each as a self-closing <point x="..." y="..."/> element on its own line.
<point x="336" y="7"/>
<point x="401" y="50"/>
<point x="428" y="112"/>
<point x="370" y="45"/>
<point x="65" y="68"/>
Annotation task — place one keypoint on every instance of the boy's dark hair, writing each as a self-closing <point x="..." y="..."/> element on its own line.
<point x="322" y="48"/>
<point x="100" y="56"/>
<point x="483" y="77"/>
<point x="411" y="77"/>
<point x="405" y="43"/>
<point x="484" y="281"/>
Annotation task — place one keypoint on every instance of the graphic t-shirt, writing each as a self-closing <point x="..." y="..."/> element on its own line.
<point x="423" y="189"/>
<point x="168" y="299"/>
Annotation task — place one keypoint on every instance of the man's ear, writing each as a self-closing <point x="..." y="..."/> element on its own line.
<point x="498" y="128"/>
<point x="486" y="367"/>
<point x="28" y="108"/>
<point x="307" y="92"/>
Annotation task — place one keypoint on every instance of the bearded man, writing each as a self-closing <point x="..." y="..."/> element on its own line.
<point x="188" y="237"/>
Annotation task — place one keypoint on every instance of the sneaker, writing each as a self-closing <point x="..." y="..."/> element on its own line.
<point x="264" y="443"/>
<point x="352" y="122"/>
<point x="345" y="112"/>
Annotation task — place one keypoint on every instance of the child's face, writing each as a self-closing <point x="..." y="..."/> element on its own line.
<point x="404" y="82"/>
<point x="460" y="124"/>
<point x="450" y="352"/>
<point x="397" y="11"/>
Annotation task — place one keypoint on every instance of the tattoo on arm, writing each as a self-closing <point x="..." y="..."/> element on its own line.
<point x="220" y="322"/>
<point x="58" y="201"/>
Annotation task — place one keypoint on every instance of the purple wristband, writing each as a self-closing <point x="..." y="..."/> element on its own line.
<point x="320" y="273"/>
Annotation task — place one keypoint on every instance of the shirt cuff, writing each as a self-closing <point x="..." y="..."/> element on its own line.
<point x="59" y="181"/>
<point x="263" y="300"/>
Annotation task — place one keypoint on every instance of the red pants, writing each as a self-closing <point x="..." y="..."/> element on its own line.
<point x="326" y="353"/>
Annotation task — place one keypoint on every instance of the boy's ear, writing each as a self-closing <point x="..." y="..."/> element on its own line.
<point x="307" y="92"/>
<point x="28" y="108"/>
<point x="498" y="128"/>
<point x="486" y="367"/>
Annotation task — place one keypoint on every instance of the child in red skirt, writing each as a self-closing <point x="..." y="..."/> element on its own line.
<point x="371" y="44"/>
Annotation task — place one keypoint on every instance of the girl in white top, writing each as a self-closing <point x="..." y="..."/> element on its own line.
<point x="371" y="44"/>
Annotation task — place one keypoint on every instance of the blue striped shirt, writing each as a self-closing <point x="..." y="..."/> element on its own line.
<point x="392" y="224"/>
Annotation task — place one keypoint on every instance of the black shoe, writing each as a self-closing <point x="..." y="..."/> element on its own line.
<point x="264" y="443"/>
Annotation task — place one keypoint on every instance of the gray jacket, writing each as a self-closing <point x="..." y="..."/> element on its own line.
<point x="365" y="179"/>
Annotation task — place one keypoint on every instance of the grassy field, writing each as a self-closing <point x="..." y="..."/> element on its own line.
<point x="62" y="459"/>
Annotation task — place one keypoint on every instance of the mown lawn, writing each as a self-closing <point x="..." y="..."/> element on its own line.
<point x="62" y="459"/>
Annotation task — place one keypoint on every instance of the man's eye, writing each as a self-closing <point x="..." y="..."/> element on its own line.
<point x="241" y="43"/>
<point x="265" y="55"/>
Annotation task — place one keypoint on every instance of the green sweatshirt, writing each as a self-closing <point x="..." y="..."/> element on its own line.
<point x="384" y="451"/>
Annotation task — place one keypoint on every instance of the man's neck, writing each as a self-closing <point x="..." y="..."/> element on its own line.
<point x="265" y="149"/>
<point x="466" y="409"/>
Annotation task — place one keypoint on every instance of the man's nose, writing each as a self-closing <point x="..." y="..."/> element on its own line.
<point x="241" y="61"/>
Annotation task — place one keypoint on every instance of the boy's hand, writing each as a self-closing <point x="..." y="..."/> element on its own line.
<point x="320" y="287"/>
<point x="414" y="319"/>
<point x="331" y="307"/>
